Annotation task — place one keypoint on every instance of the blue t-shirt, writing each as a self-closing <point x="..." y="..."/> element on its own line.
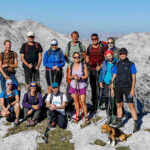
<point x="108" y="76"/>
<point x="133" y="69"/>
<point x="4" y="95"/>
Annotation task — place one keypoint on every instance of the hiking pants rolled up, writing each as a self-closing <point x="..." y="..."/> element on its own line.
<point x="35" y="115"/>
<point x="94" y="86"/>
<point x="3" y="81"/>
<point x="53" y="76"/>
<point x="31" y="75"/>
<point x="58" y="118"/>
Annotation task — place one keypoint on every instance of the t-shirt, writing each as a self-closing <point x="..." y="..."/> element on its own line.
<point x="57" y="101"/>
<point x="31" y="55"/>
<point x="74" y="48"/>
<point x="8" y="59"/>
<point x="95" y="57"/>
<point x="133" y="69"/>
<point x="5" y="95"/>
<point x="108" y="76"/>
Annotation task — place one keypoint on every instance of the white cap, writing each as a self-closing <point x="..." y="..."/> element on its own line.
<point x="54" y="42"/>
<point x="30" y="33"/>
<point x="8" y="81"/>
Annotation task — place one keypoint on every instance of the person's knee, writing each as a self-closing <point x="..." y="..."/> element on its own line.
<point x="3" y="113"/>
<point x="119" y="105"/>
<point x="17" y="106"/>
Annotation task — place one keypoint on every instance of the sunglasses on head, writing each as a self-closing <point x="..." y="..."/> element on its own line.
<point x="76" y="57"/>
<point x="111" y="42"/>
<point x="32" y="85"/>
<point x="94" y="39"/>
<point x="54" y="45"/>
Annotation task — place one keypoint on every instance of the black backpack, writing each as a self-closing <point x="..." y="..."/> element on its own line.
<point x="60" y="53"/>
<point x="61" y="97"/>
<point x="80" y="46"/>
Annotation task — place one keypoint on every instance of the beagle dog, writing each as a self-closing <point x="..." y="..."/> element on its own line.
<point x="114" y="134"/>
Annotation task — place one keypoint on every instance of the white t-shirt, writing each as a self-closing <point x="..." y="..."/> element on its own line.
<point x="57" y="101"/>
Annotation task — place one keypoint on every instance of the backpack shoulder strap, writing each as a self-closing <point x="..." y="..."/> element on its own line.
<point x="36" y="45"/>
<point x="82" y="66"/>
<point x="26" y="47"/>
<point x="51" y="98"/>
<point x="49" y="52"/>
<point x="60" y="54"/>
<point x="80" y="46"/>
<point x="69" y="47"/>
<point x="90" y="47"/>
<point x="61" y="97"/>
<point x="2" y="57"/>
<point x="71" y="67"/>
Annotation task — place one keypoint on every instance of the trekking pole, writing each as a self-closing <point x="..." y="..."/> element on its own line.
<point x="76" y="94"/>
<point x="55" y="75"/>
<point x="80" y="103"/>
<point x="50" y="76"/>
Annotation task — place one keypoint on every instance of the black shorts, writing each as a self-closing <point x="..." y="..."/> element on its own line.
<point x="106" y="91"/>
<point x="31" y="75"/>
<point x="53" y="76"/>
<point x="119" y="92"/>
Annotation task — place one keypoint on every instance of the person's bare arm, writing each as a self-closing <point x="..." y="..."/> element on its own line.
<point x="16" y="100"/>
<point x="133" y="84"/>
<point x="85" y="72"/>
<point x="15" y="65"/>
<point x="39" y="59"/>
<point x="2" y="72"/>
<point x="23" y="60"/>
<point x="87" y="59"/>
<point x="48" y="105"/>
<point x="62" y="106"/>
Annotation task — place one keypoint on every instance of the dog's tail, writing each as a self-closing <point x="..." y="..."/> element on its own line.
<point x="128" y="135"/>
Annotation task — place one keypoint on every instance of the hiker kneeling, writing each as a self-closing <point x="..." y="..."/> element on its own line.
<point x="10" y="102"/>
<point x="32" y="103"/>
<point x="56" y="103"/>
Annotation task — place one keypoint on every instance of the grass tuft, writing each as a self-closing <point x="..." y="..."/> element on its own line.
<point x="100" y="142"/>
<point x="123" y="148"/>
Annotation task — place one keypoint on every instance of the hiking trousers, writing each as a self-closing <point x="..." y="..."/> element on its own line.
<point x="35" y="115"/>
<point x="58" y="118"/>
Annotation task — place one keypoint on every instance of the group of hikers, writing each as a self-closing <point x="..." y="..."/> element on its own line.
<point x="111" y="76"/>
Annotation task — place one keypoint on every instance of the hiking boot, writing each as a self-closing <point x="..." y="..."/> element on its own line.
<point x="52" y="124"/>
<point x="119" y="123"/>
<point x="114" y="121"/>
<point x="16" y="122"/>
<point x="102" y="107"/>
<point x="108" y="120"/>
<point x="136" y="128"/>
<point x="28" y="122"/>
<point x="32" y="123"/>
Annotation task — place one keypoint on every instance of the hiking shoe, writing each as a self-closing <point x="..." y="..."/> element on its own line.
<point x="52" y="124"/>
<point x="108" y="120"/>
<point x="32" y="123"/>
<point x="16" y="122"/>
<point x="114" y="121"/>
<point x="28" y="122"/>
<point x="119" y="123"/>
<point x="102" y="107"/>
<point x="136" y="128"/>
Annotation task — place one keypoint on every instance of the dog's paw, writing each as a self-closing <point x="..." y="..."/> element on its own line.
<point x="109" y="142"/>
<point x="113" y="143"/>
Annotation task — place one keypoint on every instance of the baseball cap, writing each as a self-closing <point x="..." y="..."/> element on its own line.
<point x="30" y="33"/>
<point x="123" y="51"/>
<point x="109" y="52"/>
<point x="55" y="85"/>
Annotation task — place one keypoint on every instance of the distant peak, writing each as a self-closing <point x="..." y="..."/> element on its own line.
<point x="4" y="21"/>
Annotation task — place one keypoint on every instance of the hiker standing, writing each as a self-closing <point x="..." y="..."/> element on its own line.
<point x="31" y="57"/>
<point x="54" y="60"/>
<point x="32" y="103"/>
<point x="105" y="79"/>
<point x="78" y="74"/>
<point x="112" y="47"/>
<point x="56" y="103"/>
<point x="10" y="102"/>
<point x="124" y="76"/>
<point x="95" y="57"/>
<point x="8" y="62"/>
<point x="73" y="46"/>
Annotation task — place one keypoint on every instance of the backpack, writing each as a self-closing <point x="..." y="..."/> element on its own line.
<point x="101" y="49"/>
<point x="61" y="97"/>
<point x="60" y="53"/>
<point x="27" y="45"/>
<point x="11" y="55"/>
<point x="80" y="46"/>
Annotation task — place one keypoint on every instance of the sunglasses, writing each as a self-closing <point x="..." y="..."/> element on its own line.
<point x="54" y="45"/>
<point x="32" y="85"/>
<point x="94" y="39"/>
<point x="31" y="37"/>
<point x="111" y="42"/>
<point x="77" y="57"/>
<point x="9" y="84"/>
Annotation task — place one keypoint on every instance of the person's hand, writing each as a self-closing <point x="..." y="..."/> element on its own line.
<point x="53" y="107"/>
<point x="75" y="76"/>
<point x="132" y="93"/>
<point x="57" y="69"/>
<point x="6" y="77"/>
<point x="36" y="107"/>
<point x="112" y="93"/>
<point x="54" y="67"/>
<point x="101" y="85"/>
<point x="30" y="66"/>
<point x="30" y="112"/>
<point x="98" y="68"/>
<point x="37" y="67"/>
<point x="5" y="65"/>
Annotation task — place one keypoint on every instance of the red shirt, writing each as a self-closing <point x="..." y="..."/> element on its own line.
<point x="96" y="57"/>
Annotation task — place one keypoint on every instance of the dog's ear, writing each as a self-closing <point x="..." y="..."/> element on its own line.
<point x="108" y="129"/>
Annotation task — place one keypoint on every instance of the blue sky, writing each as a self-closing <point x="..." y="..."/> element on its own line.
<point x="86" y="16"/>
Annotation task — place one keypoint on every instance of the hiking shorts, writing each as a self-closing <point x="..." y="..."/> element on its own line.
<point x="31" y="75"/>
<point x="106" y="90"/>
<point x="53" y="76"/>
<point x="119" y="92"/>
<point x="3" y="81"/>
<point x="75" y="91"/>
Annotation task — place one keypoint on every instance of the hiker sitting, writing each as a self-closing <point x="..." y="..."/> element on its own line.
<point x="105" y="79"/>
<point x="78" y="73"/>
<point x="56" y="103"/>
<point x="32" y="103"/>
<point x="10" y="102"/>
<point x="54" y="60"/>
